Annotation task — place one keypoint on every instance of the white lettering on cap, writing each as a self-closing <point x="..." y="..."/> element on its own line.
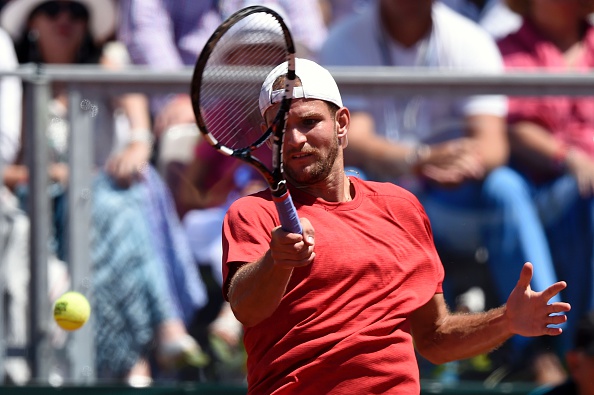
<point x="277" y="95"/>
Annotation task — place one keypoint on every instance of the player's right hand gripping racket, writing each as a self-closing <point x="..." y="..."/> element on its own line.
<point x="225" y="90"/>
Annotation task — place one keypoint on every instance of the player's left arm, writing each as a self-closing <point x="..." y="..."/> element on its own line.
<point x="442" y="336"/>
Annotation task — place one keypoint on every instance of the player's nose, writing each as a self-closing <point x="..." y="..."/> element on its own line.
<point x="293" y="136"/>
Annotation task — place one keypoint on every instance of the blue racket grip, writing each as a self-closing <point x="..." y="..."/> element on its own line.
<point x="287" y="213"/>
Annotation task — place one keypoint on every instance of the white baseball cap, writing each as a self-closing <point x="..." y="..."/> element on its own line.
<point x="316" y="83"/>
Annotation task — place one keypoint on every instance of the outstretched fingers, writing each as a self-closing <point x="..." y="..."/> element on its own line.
<point x="558" y="307"/>
<point x="554" y="289"/>
<point x="525" y="276"/>
<point x="557" y="319"/>
<point x="552" y="331"/>
<point x="529" y="311"/>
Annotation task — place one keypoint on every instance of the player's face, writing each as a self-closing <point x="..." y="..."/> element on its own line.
<point x="311" y="147"/>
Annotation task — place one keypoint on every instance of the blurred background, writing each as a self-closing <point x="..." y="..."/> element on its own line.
<point x="107" y="188"/>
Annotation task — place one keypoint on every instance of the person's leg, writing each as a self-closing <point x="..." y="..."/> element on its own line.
<point x="569" y="220"/>
<point x="514" y="233"/>
<point x="454" y="217"/>
<point x="514" y="236"/>
<point x="185" y="284"/>
<point x="499" y="215"/>
<point x="129" y="297"/>
<point x="498" y="218"/>
<point x="133" y="309"/>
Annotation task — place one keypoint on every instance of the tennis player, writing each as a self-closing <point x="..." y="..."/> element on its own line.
<point x="339" y="309"/>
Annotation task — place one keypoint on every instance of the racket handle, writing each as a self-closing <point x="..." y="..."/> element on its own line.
<point x="287" y="213"/>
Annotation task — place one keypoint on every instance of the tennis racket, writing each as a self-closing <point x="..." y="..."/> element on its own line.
<point x="225" y="89"/>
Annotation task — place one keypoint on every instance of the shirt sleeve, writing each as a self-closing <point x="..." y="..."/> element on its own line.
<point x="146" y="27"/>
<point x="488" y="60"/>
<point x="246" y="234"/>
<point x="439" y="269"/>
<point x="465" y="46"/>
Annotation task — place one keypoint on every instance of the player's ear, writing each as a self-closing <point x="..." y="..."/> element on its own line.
<point x="343" y="118"/>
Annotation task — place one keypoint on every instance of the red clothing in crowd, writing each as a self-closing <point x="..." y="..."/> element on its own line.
<point x="570" y="119"/>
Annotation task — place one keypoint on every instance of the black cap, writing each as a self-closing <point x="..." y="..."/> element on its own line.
<point x="584" y="337"/>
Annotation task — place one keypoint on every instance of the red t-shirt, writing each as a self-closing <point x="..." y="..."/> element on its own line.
<point x="342" y="327"/>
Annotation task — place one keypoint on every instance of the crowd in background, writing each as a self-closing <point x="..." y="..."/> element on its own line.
<point x="503" y="180"/>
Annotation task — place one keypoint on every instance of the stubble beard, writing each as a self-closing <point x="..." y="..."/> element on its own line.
<point x="318" y="171"/>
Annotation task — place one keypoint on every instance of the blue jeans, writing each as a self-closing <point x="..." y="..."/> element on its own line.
<point x="568" y="219"/>
<point x="500" y="215"/>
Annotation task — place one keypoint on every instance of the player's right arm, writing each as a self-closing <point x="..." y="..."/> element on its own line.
<point x="256" y="289"/>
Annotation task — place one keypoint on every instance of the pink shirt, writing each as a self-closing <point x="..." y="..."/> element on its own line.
<point x="569" y="119"/>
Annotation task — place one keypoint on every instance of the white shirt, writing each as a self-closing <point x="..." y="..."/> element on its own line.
<point x="454" y="43"/>
<point x="10" y="103"/>
<point x="495" y="17"/>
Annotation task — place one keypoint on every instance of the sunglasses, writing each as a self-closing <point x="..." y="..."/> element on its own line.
<point x="54" y="8"/>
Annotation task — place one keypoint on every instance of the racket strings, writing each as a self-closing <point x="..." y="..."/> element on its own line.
<point x="233" y="75"/>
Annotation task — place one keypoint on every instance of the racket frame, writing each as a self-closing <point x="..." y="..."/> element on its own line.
<point x="275" y="179"/>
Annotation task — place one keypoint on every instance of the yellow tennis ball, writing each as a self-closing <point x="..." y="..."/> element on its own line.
<point x="71" y="311"/>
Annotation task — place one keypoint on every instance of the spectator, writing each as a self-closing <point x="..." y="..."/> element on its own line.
<point x="211" y="183"/>
<point x="138" y="251"/>
<point x="449" y="151"/>
<point x="13" y="223"/>
<point x="552" y="137"/>
<point x="580" y="363"/>
<point x="169" y="34"/>
<point x="10" y="104"/>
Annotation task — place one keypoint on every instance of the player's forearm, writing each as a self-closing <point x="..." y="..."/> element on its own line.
<point x="462" y="336"/>
<point x="256" y="290"/>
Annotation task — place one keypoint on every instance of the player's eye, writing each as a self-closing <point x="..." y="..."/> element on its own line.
<point x="310" y="122"/>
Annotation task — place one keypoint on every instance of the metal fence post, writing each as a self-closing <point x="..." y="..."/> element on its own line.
<point x="81" y="348"/>
<point x="3" y="344"/>
<point x="37" y="98"/>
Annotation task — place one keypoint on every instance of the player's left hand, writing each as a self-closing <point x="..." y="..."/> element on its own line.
<point x="529" y="313"/>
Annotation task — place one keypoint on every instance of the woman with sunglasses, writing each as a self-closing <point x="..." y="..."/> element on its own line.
<point x="145" y="284"/>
